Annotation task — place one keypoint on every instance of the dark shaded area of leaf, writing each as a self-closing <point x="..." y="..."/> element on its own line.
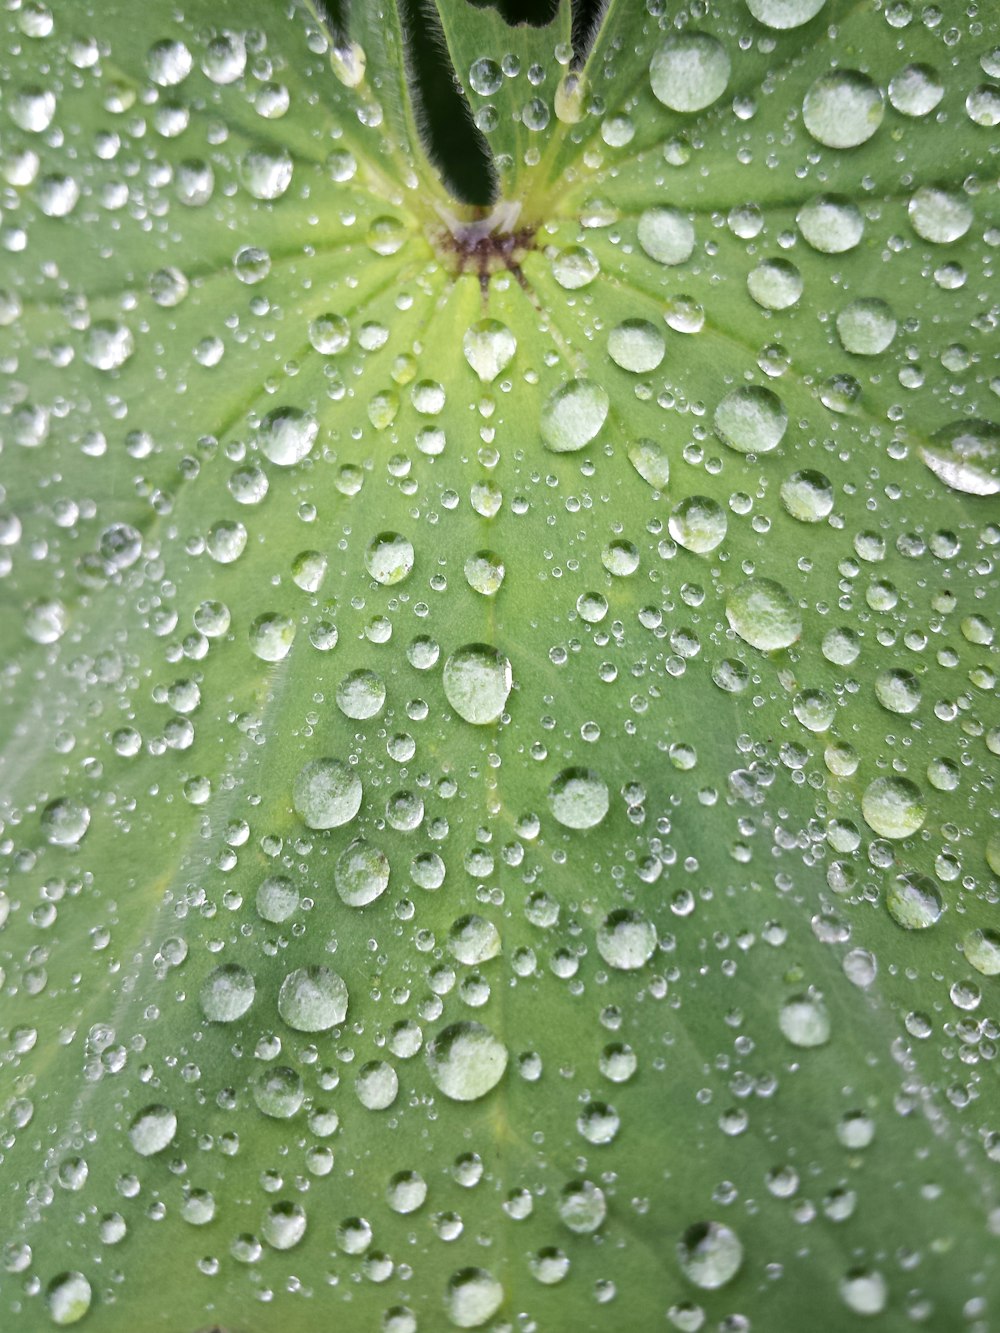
<point x="452" y="140"/>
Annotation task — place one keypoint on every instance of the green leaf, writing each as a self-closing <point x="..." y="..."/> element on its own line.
<point x="499" y="763"/>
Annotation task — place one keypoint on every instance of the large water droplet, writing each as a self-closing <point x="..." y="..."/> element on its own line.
<point x="666" y="235"/>
<point x="690" y="71"/>
<point x="326" y="793"/>
<point x="313" y="999"/>
<point x="938" y="216"/>
<point x="227" y="993"/>
<point x="894" y="807"/>
<point x="64" y="822"/>
<point x="804" y="1020"/>
<point x="914" y="902"/>
<point x="573" y="415"/>
<point x="764" y="615"/>
<point x="784" y="14"/>
<point x="751" y="420"/>
<point x="389" y="558"/>
<point x="489" y="347"/>
<point x="361" y="873"/>
<point x="68" y="1298"/>
<point x="626" y="939"/>
<point x="965" y="455"/>
<point x="710" y="1254"/>
<point x="287" y="435"/>
<point x="473" y="1297"/>
<point x="636" y="345"/>
<point x="466" y="1061"/>
<point x="152" y="1130"/>
<point x="477" y="682"/>
<point x="843" y="109"/>
<point x="579" y="798"/>
<point x="866" y="326"/>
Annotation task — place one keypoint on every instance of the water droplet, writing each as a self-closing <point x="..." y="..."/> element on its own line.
<point x="831" y="224"/>
<point x="313" y="999"/>
<point x="866" y="327"/>
<point x="775" y="284"/>
<point x="152" y="1130"/>
<point x="377" y="1085"/>
<point x="982" y="950"/>
<point x="489" y="348"/>
<point x="651" y="462"/>
<point x="804" y="1020"/>
<point x="466" y="1061"/>
<point x="626" y="939"/>
<point x="271" y="636"/>
<point x="690" y="71"/>
<point x="278" y="1092"/>
<point x="326" y="793"/>
<point x="897" y="690"/>
<point x="473" y="1297"/>
<point x="636" y="345"/>
<point x="698" y="524"/>
<point x="916" y="90"/>
<point x="266" y="173"/>
<point x="784" y="14"/>
<point x="473" y="940"/>
<point x="573" y="415"/>
<point x="361" y="695"/>
<point x="843" y="109"/>
<point x="287" y="435"/>
<point x="965" y="455"/>
<point x="227" y="993"/>
<point x="666" y="235"/>
<point x="68" y="1298"/>
<point x="329" y="334"/>
<point x="407" y="1192"/>
<point x="893" y="807"/>
<point x="710" y="1254"/>
<point x="477" y="682"/>
<point x="864" y="1291"/>
<point x="64" y="822"/>
<point x="938" y="216"/>
<point x="579" y="798"/>
<point x="284" y="1225"/>
<point x="361" y="874"/>
<point x="764" y="615"/>
<point x="582" y="1206"/>
<point x="389" y="558"/>
<point x="575" y="266"/>
<point x="751" y="420"/>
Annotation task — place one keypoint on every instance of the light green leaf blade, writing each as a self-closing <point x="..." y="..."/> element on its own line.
<point x="583" y="670"/>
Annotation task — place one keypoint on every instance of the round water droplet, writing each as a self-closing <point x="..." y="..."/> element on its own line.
<point x="751" y="420"/>
<point x="690" y="71"/>
<point x="407" y="1192"/>
<point x="982" y="951"/>
<point x="807" y="496"/>
<point x="313" y="999"/>
<point x="651" y="463"/>
<point x="266" y="172"/>
<point x="784" y="14"/>
<point x="764" y="615"/>
<point x="271" y="636"/>
<point x="864" y="1291"/>
<point x="477" y="682"/>
<point x="843" y="109"/>
<point x="804" y="1020"/>
<point x="152" y="1130"/>
<point x="466" y="1061"/>
<point x="489" y="348"/>
<point x="636" y="345"/>
<point x="894" y="807"/>
<point x="389" y="558"/>
<point x="377" y="1085"/>
<point x="916" y="90"/>
<point x="484" y="572"/>
<point x="965" y="455"/>
<point x="575" y="266"/>
<point x="361" y="695"/>
<point x="938" y="216"/>
<point x="473" y="1297"/>
<point x="361" y="873"/>
<point x="64" y="822"/>
<point x="831" y="224"/>
<point x="666" y="235"/>
<point x="227" y="993"/>
<point x="710" y="1254"/>
<point x="108" y="345"/>
<point x="914" y="902"/>
<point x="326" y="793"/>
<point x="277" y="899"/>
<point x="698" y="524"/>
<point x="579" y="798"/>
<point x="573" y="415"/>
<point x="278" y="1092"/>
<point x="626" y="939"/>
<point x="68" y="1297"/>
<point x="897" y="690"/>
<point x="287" y="435"/>
<point x="866" y="327"/>
<point x="582" y="1206"/>
<point x="329" y="334"/>
<point x="284" y="1225"/>
<point x="473" y="940"/>
<point x="775" y="284"/>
